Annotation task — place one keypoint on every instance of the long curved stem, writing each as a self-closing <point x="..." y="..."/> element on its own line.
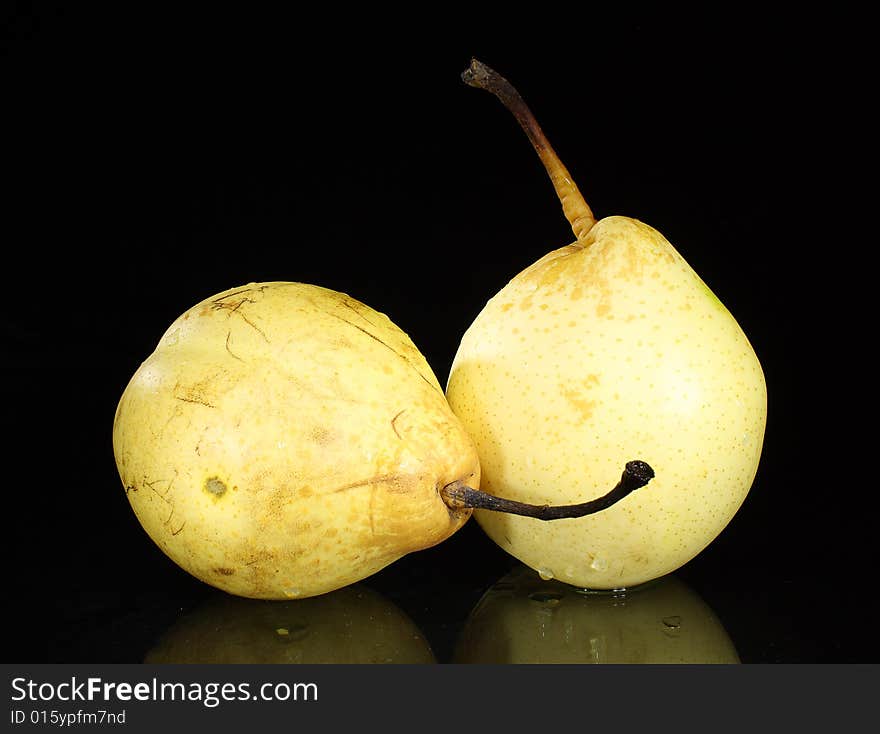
<point x="575" y="208"/>
<point x="458" y="495"/>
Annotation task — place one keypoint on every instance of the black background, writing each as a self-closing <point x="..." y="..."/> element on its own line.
<point x="154" y="157"/>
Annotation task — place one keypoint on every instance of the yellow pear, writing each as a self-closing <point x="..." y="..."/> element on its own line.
<point x="284" y="440"/>
<point x="609" y="347"/>
<point x="350" y="625"/>
<point x="523" y="619"/>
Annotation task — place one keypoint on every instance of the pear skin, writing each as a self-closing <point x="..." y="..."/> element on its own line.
<point x="604" y="349"/>
<point x="285" y="440"/>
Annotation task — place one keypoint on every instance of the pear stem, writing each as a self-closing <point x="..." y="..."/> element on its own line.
<point x="575" y="208"/>
<point x="458" y="495"/>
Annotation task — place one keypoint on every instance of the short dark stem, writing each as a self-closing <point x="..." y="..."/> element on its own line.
<point x="458" y="495"/>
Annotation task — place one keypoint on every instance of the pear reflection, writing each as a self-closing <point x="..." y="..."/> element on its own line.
<point x="351" y="625"/>
<point x="523" y="619"/>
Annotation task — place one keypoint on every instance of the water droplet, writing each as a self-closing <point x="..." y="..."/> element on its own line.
<point x="599" y="564"/>
<point x="292" y="632"/>
<point x="673" y="622"/>
<point x="617" y="596"/>
<point x="550" y="598"/>
<point x="545" y="573"/>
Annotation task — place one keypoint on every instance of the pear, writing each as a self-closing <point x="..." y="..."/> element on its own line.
<point x="607" y="347"/>
<point x="285" y="440"/>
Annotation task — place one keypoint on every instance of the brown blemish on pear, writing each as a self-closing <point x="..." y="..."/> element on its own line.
<point x="582" y="405"/>
<point x="215" y="486"/>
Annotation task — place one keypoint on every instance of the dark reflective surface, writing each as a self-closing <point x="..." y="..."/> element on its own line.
<point x="463" y="601"/>
<point x="351" y="625"/>
<point x="154" y="161"/>
<point x="524" y="619"/>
